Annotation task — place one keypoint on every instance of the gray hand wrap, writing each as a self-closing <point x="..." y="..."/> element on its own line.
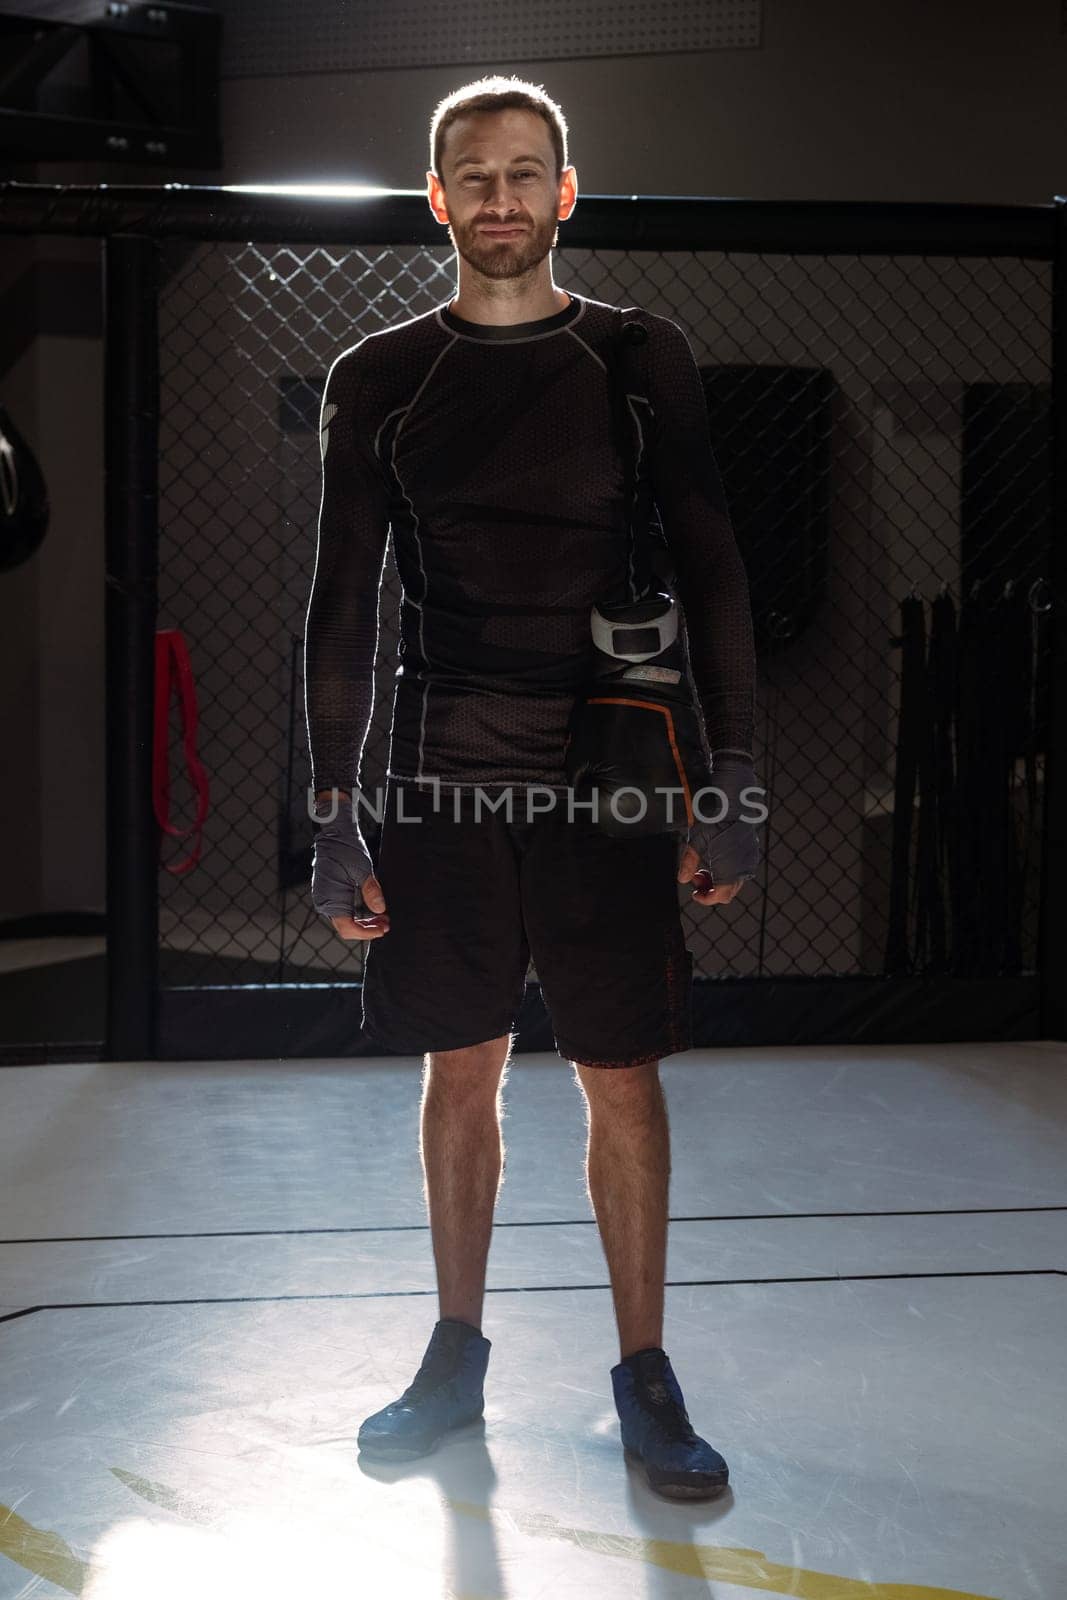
<point x="729" y="848"/>
<point x="341" y="863"/>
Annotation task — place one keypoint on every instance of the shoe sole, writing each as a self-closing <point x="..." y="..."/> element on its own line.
<point x="679" y="1491"/>
<point x="387" y="1450"/>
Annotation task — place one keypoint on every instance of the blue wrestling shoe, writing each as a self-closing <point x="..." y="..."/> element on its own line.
<point x="656" y="1431"/>
<point x="445" y="1393"/>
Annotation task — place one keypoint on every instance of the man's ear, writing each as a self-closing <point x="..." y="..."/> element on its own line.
<point x="436" y="197"/>
<point x="568" y="193"/>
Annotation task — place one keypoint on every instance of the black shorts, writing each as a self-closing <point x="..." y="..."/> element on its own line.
<point x="469" y="902"/>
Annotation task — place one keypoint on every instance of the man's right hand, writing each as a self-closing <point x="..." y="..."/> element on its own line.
<point x="343" y="886"/>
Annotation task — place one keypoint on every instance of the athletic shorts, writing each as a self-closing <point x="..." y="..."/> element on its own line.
<point x="471" y="898"/>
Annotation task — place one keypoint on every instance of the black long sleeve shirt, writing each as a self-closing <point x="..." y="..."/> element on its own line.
<point x="488" y="452"/>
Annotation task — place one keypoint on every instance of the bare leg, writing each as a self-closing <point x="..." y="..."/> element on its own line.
<point x="462" y="1151"/>
<point x="628" y="1176"/>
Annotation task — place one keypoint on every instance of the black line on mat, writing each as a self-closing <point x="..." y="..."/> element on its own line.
<point x="553" y="1222"/>
<point x="526" y="1288"/>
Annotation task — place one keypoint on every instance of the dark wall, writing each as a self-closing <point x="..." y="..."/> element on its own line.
<point x="912" y="101"/>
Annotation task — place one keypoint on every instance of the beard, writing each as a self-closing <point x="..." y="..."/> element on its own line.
<point x="505" y="258"/>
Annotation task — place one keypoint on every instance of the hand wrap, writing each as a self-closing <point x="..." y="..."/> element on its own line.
<point x="341" y="863"/>
<point x="730" y="847"/>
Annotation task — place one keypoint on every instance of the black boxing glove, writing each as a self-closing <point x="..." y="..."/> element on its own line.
<point x="634" y="755"/>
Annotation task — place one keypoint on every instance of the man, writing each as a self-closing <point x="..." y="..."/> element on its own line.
<point x="480" y="434"/>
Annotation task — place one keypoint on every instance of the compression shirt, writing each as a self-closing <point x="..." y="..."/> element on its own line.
<point x="487" y="451"/>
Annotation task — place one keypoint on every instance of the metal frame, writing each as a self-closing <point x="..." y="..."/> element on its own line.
<point x="131" y="219"/>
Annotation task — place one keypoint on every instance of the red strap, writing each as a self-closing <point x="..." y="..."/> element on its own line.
<point x="174" y="672"/>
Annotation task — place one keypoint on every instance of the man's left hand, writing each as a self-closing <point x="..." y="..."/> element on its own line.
<point x="727" y="851"/>
<point x="688" y="868"/>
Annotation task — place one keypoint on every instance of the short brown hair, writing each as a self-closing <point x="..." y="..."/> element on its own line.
<point x="497" y="93"/>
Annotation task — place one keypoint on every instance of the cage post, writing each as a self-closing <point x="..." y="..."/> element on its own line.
<point x="131" y="450"/>
<point x="1052" y="935"/>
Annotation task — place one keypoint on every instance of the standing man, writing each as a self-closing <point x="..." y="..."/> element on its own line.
<point x="480" y="434"/>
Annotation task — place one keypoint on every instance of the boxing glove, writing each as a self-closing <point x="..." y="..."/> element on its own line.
<point x="634" y="754"/>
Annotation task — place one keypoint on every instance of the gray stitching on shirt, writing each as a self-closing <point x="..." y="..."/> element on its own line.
<point x="418" y="542"/>
<point x="529" y="338"/>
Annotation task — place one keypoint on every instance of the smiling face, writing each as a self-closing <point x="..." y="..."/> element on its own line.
<point x="499" y="171"/>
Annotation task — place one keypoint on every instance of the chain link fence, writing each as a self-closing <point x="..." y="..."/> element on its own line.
<point x="882" y="426"/>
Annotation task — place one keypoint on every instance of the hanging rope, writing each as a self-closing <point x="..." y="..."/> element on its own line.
<point x="174" y="673"/>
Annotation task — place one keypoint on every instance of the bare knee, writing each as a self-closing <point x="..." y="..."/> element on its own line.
<point x="621" y="1091"/>
<point x="476" y="1068"/>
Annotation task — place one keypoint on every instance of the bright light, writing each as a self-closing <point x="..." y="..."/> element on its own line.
<point x="272" y="1554"/>
<point x="328" y="191"/>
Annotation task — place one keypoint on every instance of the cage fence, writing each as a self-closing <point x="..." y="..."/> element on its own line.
<point x="882" y="425"/>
